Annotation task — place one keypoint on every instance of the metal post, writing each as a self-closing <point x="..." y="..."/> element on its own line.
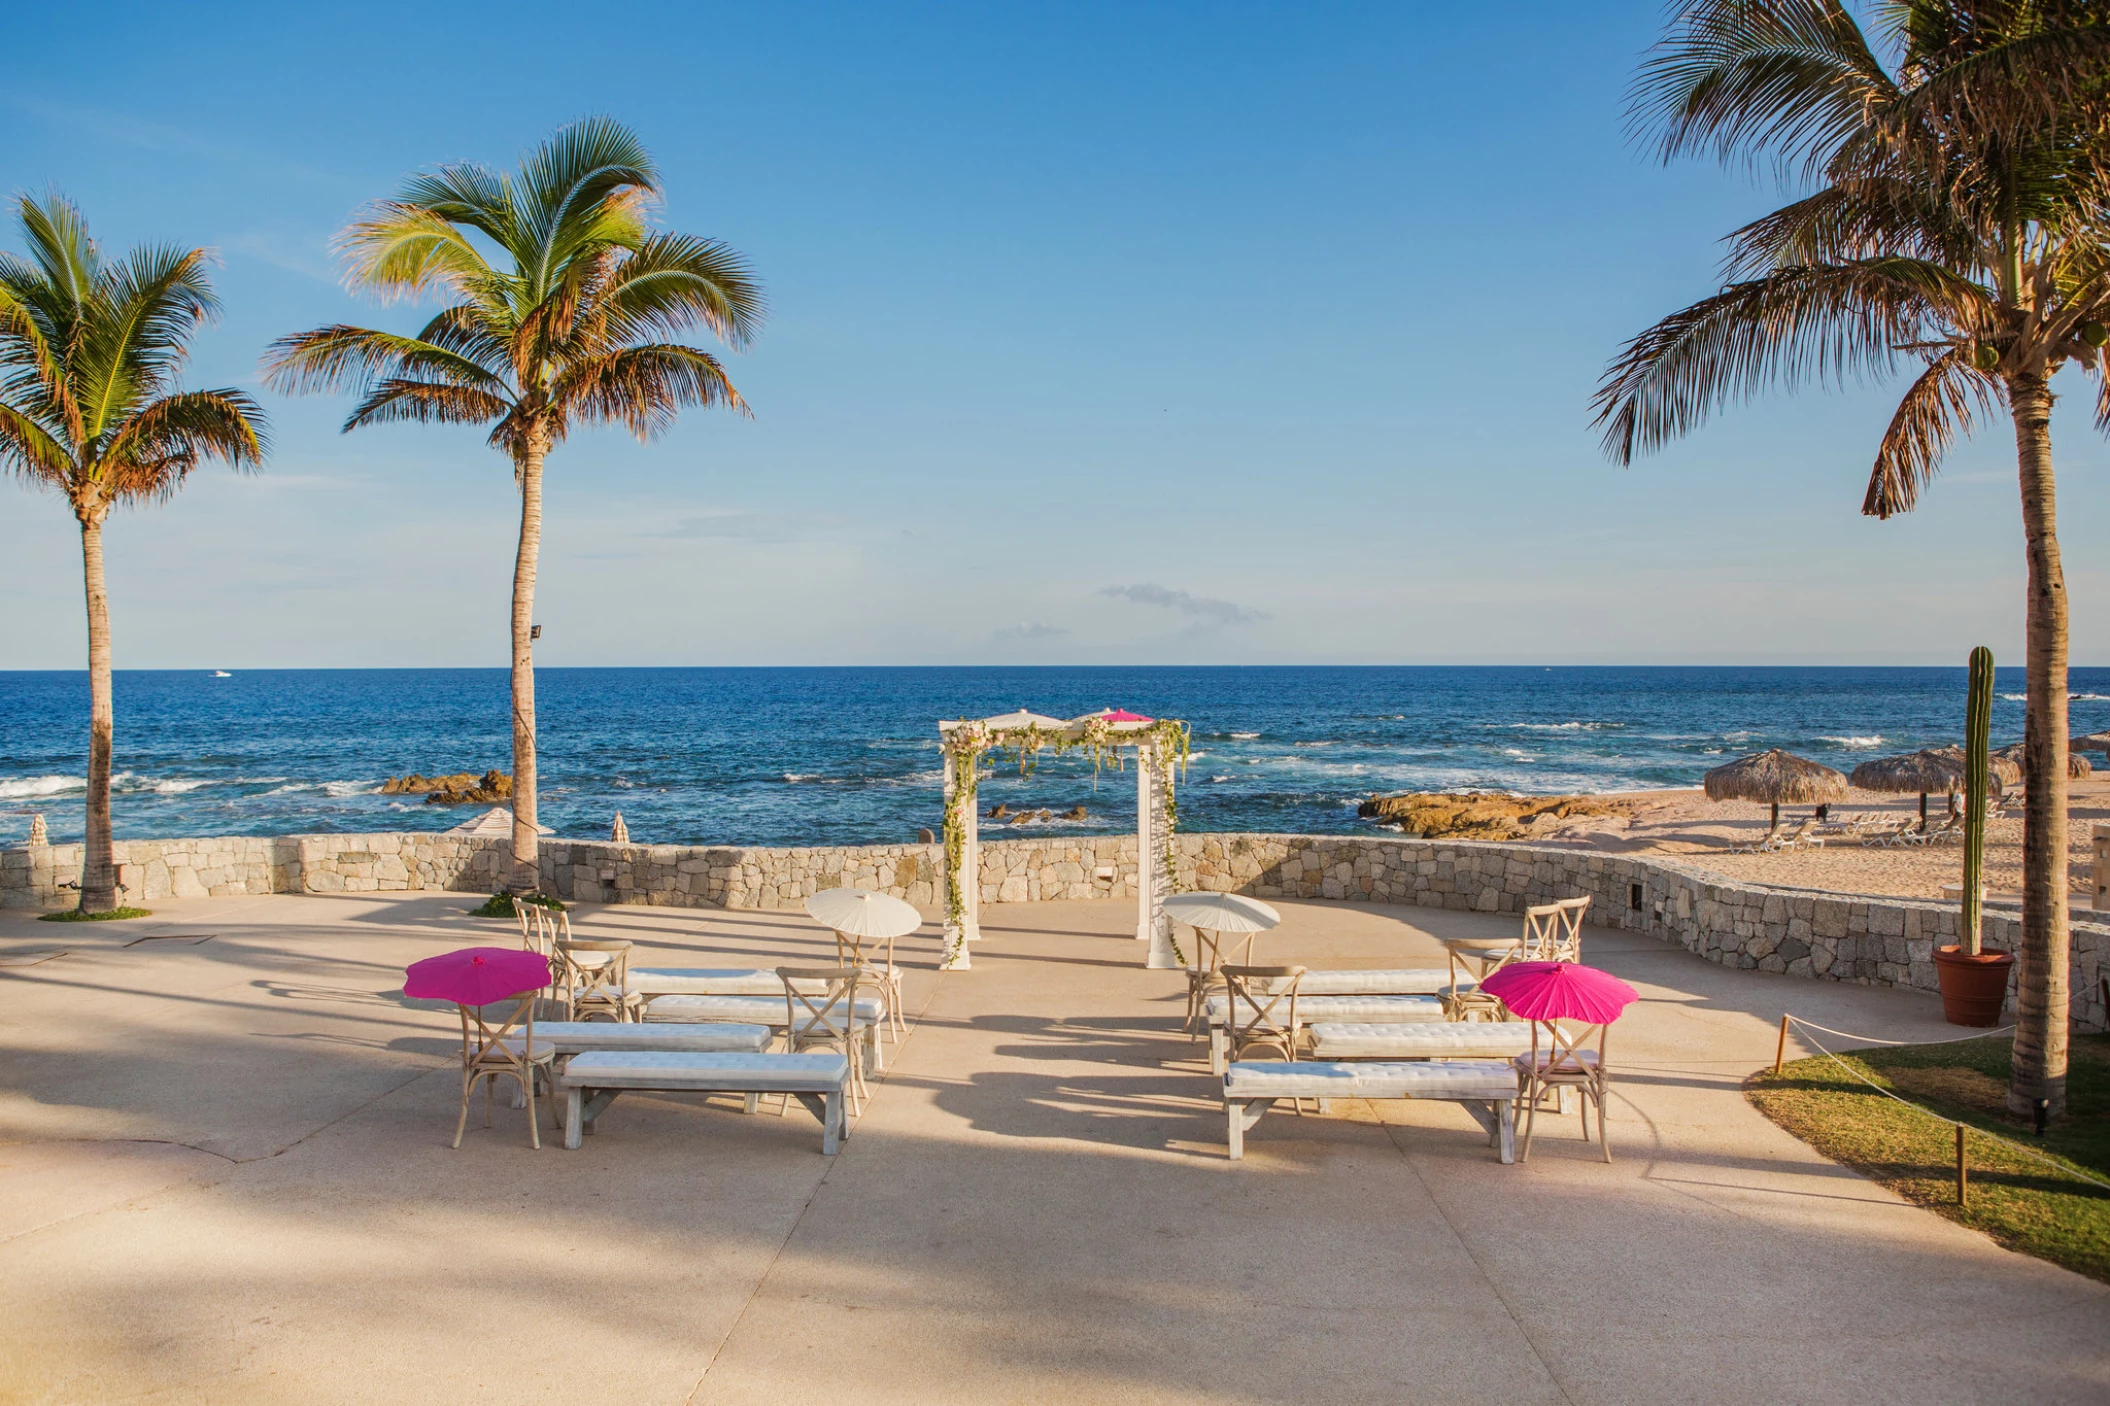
<point x="1780" y="1051"/>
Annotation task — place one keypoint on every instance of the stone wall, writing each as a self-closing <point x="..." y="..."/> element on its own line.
<point x="1873" y="941"/>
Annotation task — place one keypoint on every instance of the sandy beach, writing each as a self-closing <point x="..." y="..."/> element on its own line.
<point x="1686" y="825"/>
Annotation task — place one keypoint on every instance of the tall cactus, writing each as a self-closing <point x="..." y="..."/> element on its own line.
<point x="1978" y="728"/>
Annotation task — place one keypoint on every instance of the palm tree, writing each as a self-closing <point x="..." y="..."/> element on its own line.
<point x="1958" y="219"/>
<point x="88" y="406"/>
<point x="564" y="327"/>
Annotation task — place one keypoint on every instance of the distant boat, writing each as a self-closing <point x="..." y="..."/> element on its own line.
<point x="221" y="674"/>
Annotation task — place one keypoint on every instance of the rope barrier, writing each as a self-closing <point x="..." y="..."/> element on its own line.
<point x="1872" y="1040"/>
<point x="1959" y="1125"/>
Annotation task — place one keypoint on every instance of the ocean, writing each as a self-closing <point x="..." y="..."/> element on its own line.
<point x="850" y="756"/>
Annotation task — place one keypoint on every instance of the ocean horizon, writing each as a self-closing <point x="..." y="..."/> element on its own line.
<point x="818" y="755"/>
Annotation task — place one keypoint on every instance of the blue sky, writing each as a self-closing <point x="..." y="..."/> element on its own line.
<point x="1111" y="333"/>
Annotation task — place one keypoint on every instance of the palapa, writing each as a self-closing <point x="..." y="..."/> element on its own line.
<point x="1777" y="778"/>
<point x="2077" y="766"/>
<point x="1929" y="771"/>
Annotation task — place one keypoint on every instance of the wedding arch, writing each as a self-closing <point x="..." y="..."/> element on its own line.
<point x="1112" y="738"/>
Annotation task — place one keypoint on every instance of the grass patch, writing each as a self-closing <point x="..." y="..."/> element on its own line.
<point x="75" y="915"/>
<point x="2021" y="1202"/>
<point x="500" y="905"/>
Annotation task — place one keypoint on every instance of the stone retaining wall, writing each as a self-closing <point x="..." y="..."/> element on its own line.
<point x="1873" y="941"/>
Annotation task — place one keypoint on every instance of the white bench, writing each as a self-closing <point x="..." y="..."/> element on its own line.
<point x="1446" y="1040"/>
<point x="705" y="981"/>
<point x="1404" y="981"/>
<point x="570" y="1037"/>
<point x="592" y="1080"/>
<point x="1376" y="1010"/>
<point x="1487" y="1089"/>
<point x="766" y="1010"/>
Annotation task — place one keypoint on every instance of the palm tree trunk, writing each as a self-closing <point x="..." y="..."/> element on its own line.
<point x="526" y="875"/>
<point x="2042" y="963"/>
<point x="98" y="864"/>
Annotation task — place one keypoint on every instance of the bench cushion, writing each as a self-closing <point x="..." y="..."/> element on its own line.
<point x="706" y="981"/>
<point x="572" y="1036"/>
<point x="751" y="1010"/>
<point x="1452" y="1079"/>
<point x="1445" y="1040"/>
<point x="1389" y="1010"/>
<point x="1403" y="981"/>
<point x="744" y="1073"/>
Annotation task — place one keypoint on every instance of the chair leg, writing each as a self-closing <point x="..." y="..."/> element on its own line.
<point x="534" y="1116"/>
<point x="461" y="1124"/>
<point x="1604" y="1126"/>
<point x="1531" y="1117"/>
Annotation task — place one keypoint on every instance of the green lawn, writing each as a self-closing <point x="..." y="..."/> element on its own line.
<point x="2019" y="1201"/>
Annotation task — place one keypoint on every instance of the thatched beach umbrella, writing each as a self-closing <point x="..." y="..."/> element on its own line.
<point x="2077" y="767"/>
<point x="1939" y="770"/>
<point x="1777" y="778"/>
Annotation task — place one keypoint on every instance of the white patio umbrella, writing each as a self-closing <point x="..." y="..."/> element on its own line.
<point x="497" y="821"/>
<point x="1221" y="912"/>
<point x="1022" y="718"/>
<point x="862" y="913"/>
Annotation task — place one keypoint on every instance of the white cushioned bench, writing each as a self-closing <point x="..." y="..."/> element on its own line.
<point x="1375" y="1010"/>
<point x="1443" y="1040"/>
<point x="705" y="981"/>
<point x="1487" y="1089"/>
<point x="765" y="1010"/>
<point x="592" y="1080"/>
<point x="570" y="1037"/>
<point x="1406" y="981"/>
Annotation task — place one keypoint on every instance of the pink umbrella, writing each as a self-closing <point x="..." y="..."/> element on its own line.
<point x="476" y="976"/>
<point x="1122" y="715"/>
<point x="1560" y="991"/>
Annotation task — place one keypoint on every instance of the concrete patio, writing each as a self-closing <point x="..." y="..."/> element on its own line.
<point x="224" y="1176"/>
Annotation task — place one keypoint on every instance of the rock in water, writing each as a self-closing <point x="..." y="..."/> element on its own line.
<point x="925" y="837"/>
<point x="999" y="811"/>
<point x="1479" y="815"/>
<point x="1077" y="814"/>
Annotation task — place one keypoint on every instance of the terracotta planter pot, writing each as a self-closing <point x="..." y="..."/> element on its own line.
<point x="1972" y="988"/>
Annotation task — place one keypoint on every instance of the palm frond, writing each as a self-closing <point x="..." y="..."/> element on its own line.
<point x="156" y="300"/>
<point x="644" y="388"/>
<point x="1746" y="78"/>
<point x="355" y="358"/>
<point x="582" y="188"/>
<point x="32" y="451"/>
<point x="1939" y="406"/>
<point x="672" y="281"/>
<point x="149" y="455"/>
<point x="397" y="399"/>
<point x="1826" y="322"/>
<point x="402" y="250"/>
<point x="1864" y="218"/>
<point x="60" y="247"/>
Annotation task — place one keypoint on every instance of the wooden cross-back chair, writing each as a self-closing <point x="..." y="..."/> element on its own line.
<point x="1566" y="1062"/>
<point x="593" y="978"/>
<point x="1553" y="931"/>
<point x="1205" y="968"/>
<point x="1263" y="1009"/>
<point x="491" y="1052"/>
<point x="875" y="955"/>
<point x="820" y="1013"/>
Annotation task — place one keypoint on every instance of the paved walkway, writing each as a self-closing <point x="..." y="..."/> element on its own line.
<point x="224" y="1175"/>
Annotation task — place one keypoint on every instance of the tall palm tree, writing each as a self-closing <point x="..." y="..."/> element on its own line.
<point x="1958" y="219"/>
<point x="89" y="354"/>
<point x="564" y="327"/>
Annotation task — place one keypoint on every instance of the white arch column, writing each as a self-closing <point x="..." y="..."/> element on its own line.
<point x="963" y="868"/>
<point x="1153" y="843"/>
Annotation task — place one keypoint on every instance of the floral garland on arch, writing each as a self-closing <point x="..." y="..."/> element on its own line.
<point x="968" y="743"/>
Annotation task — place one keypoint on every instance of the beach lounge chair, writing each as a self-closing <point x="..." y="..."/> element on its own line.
<point x="1762" y="845"/>
<point x="1803" y="834"/>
